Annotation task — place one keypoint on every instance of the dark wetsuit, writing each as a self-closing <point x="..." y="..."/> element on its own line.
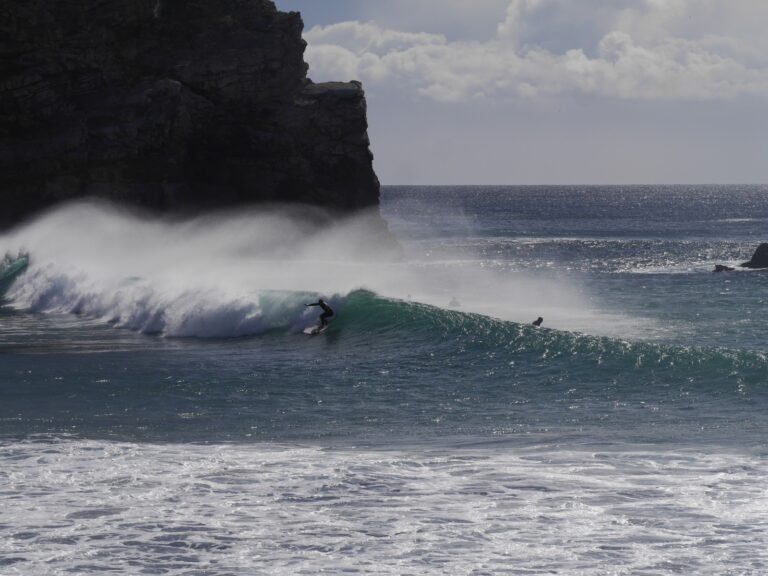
<point x="327" y="311"/>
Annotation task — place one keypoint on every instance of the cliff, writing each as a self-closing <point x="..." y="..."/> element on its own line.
<point x="173" y="105"/>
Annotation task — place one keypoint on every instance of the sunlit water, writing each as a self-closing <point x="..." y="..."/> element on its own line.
<point x="161" y="411"/>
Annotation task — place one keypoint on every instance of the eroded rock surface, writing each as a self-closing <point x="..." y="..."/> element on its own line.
<point x="174" y="105"/>
<point x="759" y="258"/>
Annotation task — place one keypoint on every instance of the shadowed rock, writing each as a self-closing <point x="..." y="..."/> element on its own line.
<point x="759" y="258"/>
<point x="174" y="105"/>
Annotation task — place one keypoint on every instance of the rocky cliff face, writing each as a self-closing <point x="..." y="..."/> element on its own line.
<point x="759" y="258"/>
<point x="172" y="105"/>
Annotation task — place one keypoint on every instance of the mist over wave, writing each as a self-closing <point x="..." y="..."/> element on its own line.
<point x="247" y="272"/>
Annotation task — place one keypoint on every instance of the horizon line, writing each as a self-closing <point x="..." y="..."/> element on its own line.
<point x="587" y="184"/>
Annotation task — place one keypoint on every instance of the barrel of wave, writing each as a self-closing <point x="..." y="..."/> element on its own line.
<point x="11" y="267"/>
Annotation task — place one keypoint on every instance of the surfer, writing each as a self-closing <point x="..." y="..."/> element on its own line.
<point x="327" y="312"/>
<point x="538" y="321"/>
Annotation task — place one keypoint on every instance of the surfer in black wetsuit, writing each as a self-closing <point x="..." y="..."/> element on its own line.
<point x="538" y="321"/>
<point x="327" y="312"/>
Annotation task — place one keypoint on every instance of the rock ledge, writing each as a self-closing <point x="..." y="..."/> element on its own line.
<point x="759" y="258"/>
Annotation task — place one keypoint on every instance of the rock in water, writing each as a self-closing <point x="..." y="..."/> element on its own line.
<point x="759" y="258"/>
<point x="174" y="105"/>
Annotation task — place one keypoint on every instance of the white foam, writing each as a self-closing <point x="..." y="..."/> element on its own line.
<point x="95" y="507"/>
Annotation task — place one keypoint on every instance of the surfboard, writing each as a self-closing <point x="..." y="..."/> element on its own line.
<point x="316" y="329"/>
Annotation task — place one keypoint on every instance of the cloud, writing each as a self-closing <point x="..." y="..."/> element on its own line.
<point x="455" y="19"/>
<point x="369" y="37"/>
<point x="649" y="49"/>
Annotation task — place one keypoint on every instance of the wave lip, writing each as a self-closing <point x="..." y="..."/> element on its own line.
<point x="138" y="305"/>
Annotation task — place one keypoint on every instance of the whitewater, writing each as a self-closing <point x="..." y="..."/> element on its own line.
<point x="161" y="410"/>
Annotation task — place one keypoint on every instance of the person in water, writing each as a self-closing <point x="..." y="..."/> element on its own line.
<point x="538" y="321"/>
<point x="327" y="312"/>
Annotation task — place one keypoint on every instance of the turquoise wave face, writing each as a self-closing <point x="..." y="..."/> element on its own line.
<point x="369" y="319"/>
<point x="10" y="269"/>
<point x="384" y="370"/>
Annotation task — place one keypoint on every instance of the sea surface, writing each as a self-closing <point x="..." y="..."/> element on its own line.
<point x="161" y="411"/>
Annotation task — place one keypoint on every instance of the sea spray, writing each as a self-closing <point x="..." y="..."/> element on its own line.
<point x="220" y="275"/>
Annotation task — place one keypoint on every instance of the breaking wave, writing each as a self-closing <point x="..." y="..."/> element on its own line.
<point x="251" y="273"/>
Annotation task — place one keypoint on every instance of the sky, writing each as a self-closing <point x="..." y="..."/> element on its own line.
<point x="552" y="91"/>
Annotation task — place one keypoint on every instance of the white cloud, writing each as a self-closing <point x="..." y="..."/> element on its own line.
<point x="369" y="37"/>
<point x="645" y="49"/>
<point x="511" y="30"/>
<point x="456" y="19"/>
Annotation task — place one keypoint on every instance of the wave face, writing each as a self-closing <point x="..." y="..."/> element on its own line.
<point x="386" y="370"/>
<point x="372" y="317"/>
<point x="10" y="269"/>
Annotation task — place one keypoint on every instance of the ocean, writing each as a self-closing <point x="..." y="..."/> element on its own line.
<point x="162" y="412"/>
